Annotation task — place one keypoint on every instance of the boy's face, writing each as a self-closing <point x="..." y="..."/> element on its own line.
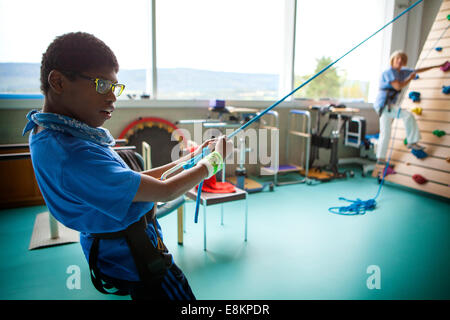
<point x="84" y="103"/>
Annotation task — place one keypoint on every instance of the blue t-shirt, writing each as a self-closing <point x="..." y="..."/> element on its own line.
<point x="89" y="188"/>
<point x="385" y="83"/>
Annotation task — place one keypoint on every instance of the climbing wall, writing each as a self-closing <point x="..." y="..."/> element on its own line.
<point x="432" y="173"/>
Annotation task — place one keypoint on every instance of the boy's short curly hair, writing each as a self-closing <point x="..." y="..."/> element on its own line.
<point x="73" y="53"/>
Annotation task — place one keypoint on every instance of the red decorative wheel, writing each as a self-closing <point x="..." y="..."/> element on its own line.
<point x="162" y="136"/>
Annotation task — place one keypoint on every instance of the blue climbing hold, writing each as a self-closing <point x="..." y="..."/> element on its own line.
<point x="439" y="49"/>
<point x="446" y="89"/>
<point x="416" y="77"/>
<point x="419" y="154"/>
<point x="414" y="96"/>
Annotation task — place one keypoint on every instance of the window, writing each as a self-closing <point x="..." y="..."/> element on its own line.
<point x="327" y="29"/>
<point x="28" y="27"/>
<point x="206" y="49"/>
<point x="214" y="49"/>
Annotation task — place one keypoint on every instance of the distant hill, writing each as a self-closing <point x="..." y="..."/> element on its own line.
<point x="19" y="77"/>
<point x="179" y="83"/>
<point x="172" y="82"/>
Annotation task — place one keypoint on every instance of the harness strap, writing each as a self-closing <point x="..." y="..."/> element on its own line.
<point x="95" y="272"/>
<point x="390" y="96"/>
<point x="151" y="263"/>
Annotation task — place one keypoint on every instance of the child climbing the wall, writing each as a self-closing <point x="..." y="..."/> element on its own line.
<point x="89" y="188"/>
<point x="392" y="81"/>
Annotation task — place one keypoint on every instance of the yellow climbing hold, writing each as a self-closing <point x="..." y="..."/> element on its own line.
<point x="417" y="110"/>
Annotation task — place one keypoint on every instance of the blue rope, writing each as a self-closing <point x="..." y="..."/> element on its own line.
<point x="205" y="152"/>
<point x="197" y="201"/>
<point x="359" y="207"/>
<point x="189" y="164"/>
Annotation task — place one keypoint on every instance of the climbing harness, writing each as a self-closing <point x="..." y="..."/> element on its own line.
<point x="151" y="261"/>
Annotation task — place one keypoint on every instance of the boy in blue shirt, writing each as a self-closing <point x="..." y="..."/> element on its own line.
<point x="392" y="82"/>
<point x="89" y="188"/>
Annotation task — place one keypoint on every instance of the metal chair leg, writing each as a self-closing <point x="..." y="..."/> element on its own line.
<point x="246" y="214"/>
<point x="204" y="227"/>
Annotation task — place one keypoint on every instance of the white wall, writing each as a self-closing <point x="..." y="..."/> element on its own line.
<point x="410" y="31"/>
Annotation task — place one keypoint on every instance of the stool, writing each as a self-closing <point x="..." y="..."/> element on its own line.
<point x="208" y="199"/>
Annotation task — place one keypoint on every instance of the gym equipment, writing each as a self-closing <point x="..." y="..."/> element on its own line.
<point x="446" y="67"/>
<point x="355" y="136"/>
<point x="439" y="133"/>
<point x="240" y="180"/>
<point x="417" y="111"/>
<point x="419" y="154"/>
<point x="446" y="89"/>
<point x="295" y="128"/>
<point x="419" y="179"/>
<point x="434" y="166"/>
<point x="339" y="116"/>
<point x="232" y="117"/>
<point x="414" y="96"/>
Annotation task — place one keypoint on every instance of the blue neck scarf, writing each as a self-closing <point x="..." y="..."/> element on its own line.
<point x="68" y="125"/>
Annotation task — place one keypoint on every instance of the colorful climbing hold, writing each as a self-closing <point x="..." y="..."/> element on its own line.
<point x="389" y="170"/>
<point x="445" y="67"/>
<point x="439" y="133"/>
<point x="419" y="179"/>
<point x="386" y="171"/>
<point x="446" y="89"/>
<point x="448" y="17"/>
<point x="417" y="111"/>
<point x="419" y="154"/>
<point x="439" y="49"/>
<point x="405" y="142"/>
<point x="416" y="77"/>
<point x="414" y="96"/>
<point x="448" y="159"/>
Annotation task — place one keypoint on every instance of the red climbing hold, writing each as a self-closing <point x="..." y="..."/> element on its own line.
<point x="419" y="179"/>
<point x="446" y="66"/>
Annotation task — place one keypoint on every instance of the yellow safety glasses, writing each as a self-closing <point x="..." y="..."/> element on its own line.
<point x="103" y="86"/>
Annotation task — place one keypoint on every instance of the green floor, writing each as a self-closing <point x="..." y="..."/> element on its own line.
<point x="296" y="249"/>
